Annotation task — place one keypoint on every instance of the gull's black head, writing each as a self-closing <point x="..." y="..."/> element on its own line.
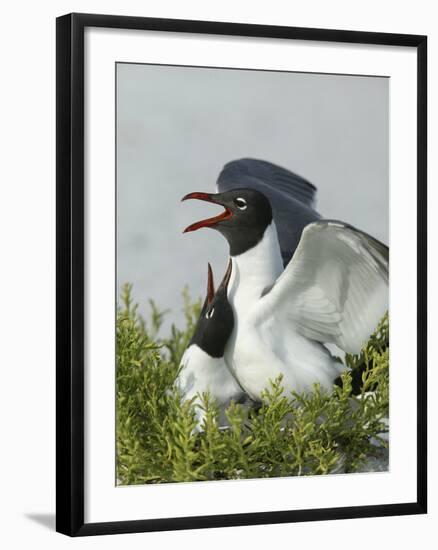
<point x="246" y="216"/>
<point x="216" y="322"/>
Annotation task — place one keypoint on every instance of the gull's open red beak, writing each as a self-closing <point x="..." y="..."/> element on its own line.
<point x="209" y="222"/>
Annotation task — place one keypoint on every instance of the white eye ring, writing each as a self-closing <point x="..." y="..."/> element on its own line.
<point x="209" y="313"/>
<point x="241" y="203"/>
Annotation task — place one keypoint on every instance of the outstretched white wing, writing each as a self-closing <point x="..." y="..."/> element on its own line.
<point x="335" y="288"/>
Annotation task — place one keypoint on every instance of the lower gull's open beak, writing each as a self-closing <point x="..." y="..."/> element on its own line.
<point x="210" y="289"/>
<point x="227" y="276"/>
<point x="210" y="285"/>
<point x="209" y="222"/>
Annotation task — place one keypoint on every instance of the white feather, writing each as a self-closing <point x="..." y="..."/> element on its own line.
<point x="201" y="373"/>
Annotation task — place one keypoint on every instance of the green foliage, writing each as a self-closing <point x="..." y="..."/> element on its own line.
<point x="286" y="435"/>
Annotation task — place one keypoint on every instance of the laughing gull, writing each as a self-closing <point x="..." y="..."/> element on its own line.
<point x="333" y="290"/>
<point x="203" y="366"/>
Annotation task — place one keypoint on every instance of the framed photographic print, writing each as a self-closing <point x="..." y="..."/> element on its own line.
<point x="241" y="274"/>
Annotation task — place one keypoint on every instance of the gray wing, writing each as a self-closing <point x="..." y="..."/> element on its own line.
<point x="335" y="289"/>
<point x="292" y="197"/>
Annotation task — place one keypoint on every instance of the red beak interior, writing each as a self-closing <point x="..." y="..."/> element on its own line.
<point x="209" y="222"/>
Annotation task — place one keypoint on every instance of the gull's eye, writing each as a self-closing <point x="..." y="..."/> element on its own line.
<point x="209" y="313"/>
<point x="240" y="203"/>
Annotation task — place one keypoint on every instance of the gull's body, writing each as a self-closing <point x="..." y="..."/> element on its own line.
<point x="201" y="373"/>
<point x="258" y="350"/>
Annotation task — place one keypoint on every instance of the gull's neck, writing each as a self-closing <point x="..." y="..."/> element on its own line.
<point x="257" y="268"/>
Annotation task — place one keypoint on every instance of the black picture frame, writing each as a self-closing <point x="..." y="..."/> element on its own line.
<point x="70" y="273"/>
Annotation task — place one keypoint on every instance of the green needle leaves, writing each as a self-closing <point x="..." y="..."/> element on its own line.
<point x="285" y="435"/>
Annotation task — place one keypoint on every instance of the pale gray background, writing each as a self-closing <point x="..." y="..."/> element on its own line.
<point x="177" y="127"/>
